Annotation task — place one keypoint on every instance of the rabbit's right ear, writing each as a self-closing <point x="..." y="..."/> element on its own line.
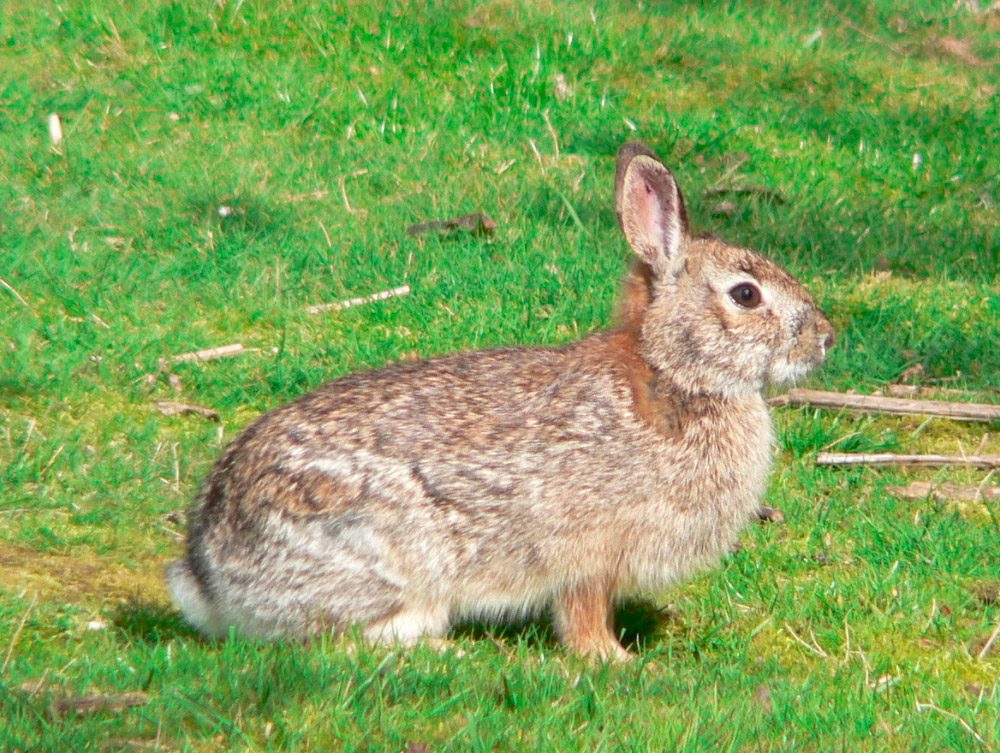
<point x="650" y="208"/>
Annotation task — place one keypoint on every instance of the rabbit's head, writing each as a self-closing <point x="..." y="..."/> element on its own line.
<point x="710" y="317"/>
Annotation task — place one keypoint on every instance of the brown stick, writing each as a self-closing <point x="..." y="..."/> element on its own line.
<point x="960" y="492"/>
<point x="897" y="405"/>
<point x="350" y="302"/>
<point x="172" y="408"/>
<point x="95" y="703"/>
<point x="476" y="223"/>
<point x="210" y="354"/>
<point x="889" y="458"/>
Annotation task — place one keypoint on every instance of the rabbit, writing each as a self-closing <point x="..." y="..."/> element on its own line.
<point x="498" y="483"/>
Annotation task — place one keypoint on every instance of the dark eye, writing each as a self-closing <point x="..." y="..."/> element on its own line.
<point x="746" y="295"/>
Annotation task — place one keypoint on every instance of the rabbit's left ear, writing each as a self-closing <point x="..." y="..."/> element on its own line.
<point x="650" y="208"/>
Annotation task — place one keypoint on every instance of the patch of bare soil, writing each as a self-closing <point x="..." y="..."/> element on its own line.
<point x="78" y="578"/>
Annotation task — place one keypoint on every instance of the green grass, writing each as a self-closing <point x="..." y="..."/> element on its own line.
<point x="327" y="128"/>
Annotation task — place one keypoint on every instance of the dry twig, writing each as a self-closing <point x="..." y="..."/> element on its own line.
<point x="476" y="223"/>
<point x="350" y="302"/>
<point x="891" y="458"/>
<point x="95" y="703"/>
<point x="172" y="408"/>
<point x="210" y="354"/>
<point x="896" y="405"/>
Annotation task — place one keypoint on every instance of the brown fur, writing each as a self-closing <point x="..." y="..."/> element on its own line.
<point x="584" y="619"/>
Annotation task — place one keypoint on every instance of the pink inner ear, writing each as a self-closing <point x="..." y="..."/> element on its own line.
<point x="648" y="211"/>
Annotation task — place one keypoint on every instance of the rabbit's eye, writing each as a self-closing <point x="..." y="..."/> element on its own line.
<point x="746" y="295"/>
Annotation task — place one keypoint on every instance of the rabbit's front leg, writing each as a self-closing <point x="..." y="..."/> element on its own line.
<point x="584" y="620"/>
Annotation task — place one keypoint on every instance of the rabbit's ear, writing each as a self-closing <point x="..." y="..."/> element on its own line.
<point x="650" y="208"/>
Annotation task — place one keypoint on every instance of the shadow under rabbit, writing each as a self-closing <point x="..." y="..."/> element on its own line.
<point x="639" y="623"/>
<point x="151" y="622"/>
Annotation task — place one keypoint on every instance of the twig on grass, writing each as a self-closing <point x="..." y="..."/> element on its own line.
<point x="896" y="405"/>
<point x="210" y="354"/>
<point x="94" y="703"/>
<point x="172" y="408"/>
<point x="51" y="462"/>
<point x="350" y="302"/>
<point x="891" y="458"/>
<point x="476" y="223"/>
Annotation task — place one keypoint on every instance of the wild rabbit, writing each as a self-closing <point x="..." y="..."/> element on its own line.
<point x="498" y="483"/>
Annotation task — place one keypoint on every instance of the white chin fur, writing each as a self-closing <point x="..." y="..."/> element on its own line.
<point x="783" y="372"/>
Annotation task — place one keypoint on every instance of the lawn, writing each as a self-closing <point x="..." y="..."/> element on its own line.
<point x="223" y="165"/>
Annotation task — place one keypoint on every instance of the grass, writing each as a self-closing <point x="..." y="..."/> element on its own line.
<point x="327" y="128"/>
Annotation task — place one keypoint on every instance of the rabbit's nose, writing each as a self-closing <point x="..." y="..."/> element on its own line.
<point x="828" y="341"/>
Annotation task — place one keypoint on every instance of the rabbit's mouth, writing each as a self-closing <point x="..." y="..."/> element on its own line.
<point x="799" y="361"/>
